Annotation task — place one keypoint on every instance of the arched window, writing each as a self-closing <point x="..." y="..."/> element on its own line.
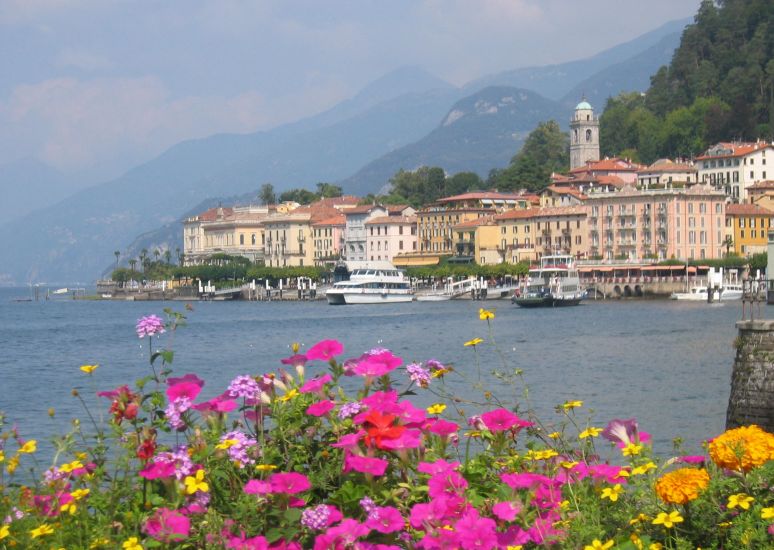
<point x="588" y="135"/>
<point x="576" y="136"/>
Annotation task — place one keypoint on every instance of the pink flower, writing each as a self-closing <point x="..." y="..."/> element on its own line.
<point x="150" y="325"/>
<point x="365" y="464"/>
<point x="349" y="441"/>
<point x="343" y="535"/>
<point x="242" y="543"/>
<point x="383" y="401"/>
<point x="449" y="483"/>
<point x="378" y="364"/>
<point x="476" y="532"/>
<point x="257" y="487"/>
<point x="316" y="384"/>
<point x="167" y="525"/>
<point x="183" y="389"/>
<point x="690" y="459"/>
<point x="525" y="480"/>
<point x="320" y="408"/>
<point x="506" y="511"/>
<point x="500" y="420"/>
<point x="407" y="439"/>
<point x="220" y="404"/>
<point x="186" y="378"/>
<point x="289" y="483"/>
<point x="385" y="519"/>
<point x="325" y="350"/>
<point x="155" y="470"/>
<point x="297" y="360"/>
<point x="437" y="467"/>
<point x="442" y="427"/>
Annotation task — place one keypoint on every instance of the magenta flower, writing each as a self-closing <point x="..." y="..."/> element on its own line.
<point x="316" y="384"/>
<point x="320" y="408"/>
<point x="183" y="389"/>
<point x="297" y="360"/>
<point x="474" y="531"/>
<point x="289" y="483"/>
<point x="506" y="511"/>
<point x="383" y="401"/>
<point x="365" y="464"/>
<point x="257" y="487"/>
<point x="500" y="420"/>
<point x="241" y="542"/>
<point x="442" y="427"/>
<point x="691" y="459"/>
<point x="155" y="470"/>
<point x="525" y="480"/>
<point x="220" y="404"/>
<point x="150" y="325"/>
<point x="450" y="483"/>
<point x="385" y="519"/>
<point x="343" y="535"/>
<point x="186" y="378"/>
<point x="378" y="364"/>
<point x="349" y="441"/>
<point x="438" y="467"/>
<point x="167" y="525"/>
<point x="325" y="350"/>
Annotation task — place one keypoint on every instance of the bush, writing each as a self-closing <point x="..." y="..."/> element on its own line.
<point x="285" y="460"/>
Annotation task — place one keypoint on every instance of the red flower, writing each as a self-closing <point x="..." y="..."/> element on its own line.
<point x="381" y="427"/>
<point x="147" y="449"/>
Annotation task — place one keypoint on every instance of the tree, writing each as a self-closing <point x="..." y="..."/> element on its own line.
<point x="117" y="254"/>
<point x="301" y="196"/>
<point x="328" y="190"/>
<point x="167" y="256"/>
<point x="728" y="242"/>
<point x="179" y="257"/>
<point x="144" y="258"/>
<point x="267" y="195"/>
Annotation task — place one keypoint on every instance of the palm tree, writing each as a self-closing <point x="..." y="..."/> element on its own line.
<point x="157" y="253"/>
<point x="143" y="257"/>
<point x="167" y="255"/>
<point x="132" y="264"/>
<point x="117" y="254"/>
<point x="728" y="243"/>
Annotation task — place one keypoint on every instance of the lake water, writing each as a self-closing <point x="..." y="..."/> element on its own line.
<point x="666" y="363"/>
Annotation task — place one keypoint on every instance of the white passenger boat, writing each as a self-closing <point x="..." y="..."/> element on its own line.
<point x="554" y="283"/>
<point x="699" y="293"/>
<point x="371" y="283"/>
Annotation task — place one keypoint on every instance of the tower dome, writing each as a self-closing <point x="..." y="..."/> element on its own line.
<point x="583" y="105"/>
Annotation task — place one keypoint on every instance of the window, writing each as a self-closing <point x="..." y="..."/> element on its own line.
<point x="241" y="238"/>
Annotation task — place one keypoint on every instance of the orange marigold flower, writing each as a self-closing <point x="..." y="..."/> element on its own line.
<point x="742" y="448"/>
<point x="681" y="486"/>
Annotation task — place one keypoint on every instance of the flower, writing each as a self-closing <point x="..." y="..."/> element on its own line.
<point x="590" y="432"/>
<point x="474" y="342"/>
<point x="378" y="364"/>
<point x="767" y="513"/>
<point x="506" y="511"/>
<point x="150" y="325"/>
<point x="29" y="447"/>
<point x="437" y="408"/>
<point x="500" y="420"/>
<point x="320" y="408"/>
<point x="742" y="448"/>
<point x="42" y="531"/>
<point x="289" y="483"/>
<point x="196" y="483"/>
<point x="132" y="543"/>
<point x="668" y="520"/>
<point x="365" y="464"/>
<point x="597" y="544"/>
<point x="682" y="486"/>
<point x="325" y="350"/>
<point x="485" y="314"/>
<point x="244" y="386"/>
<point x="644" y="468"/>
<point x="168" y="525"/>
<point x="570" y="405"/>
<point x="5" y="530"/>
<point x="740" y="499"/>
<point x="385" y="519"/>
<point x="320" y="517"/>
<point x="350" y="409"/>
<point x="316" y="384"/>
<point x="612" y="492"/>
<point x="418" y="374"/>
<point x="622" y="432"/>
<point x="631" y="449"/>
<point x="88" y="369"/>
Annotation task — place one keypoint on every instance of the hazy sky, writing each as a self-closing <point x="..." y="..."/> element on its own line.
<point x="96" y="86"/>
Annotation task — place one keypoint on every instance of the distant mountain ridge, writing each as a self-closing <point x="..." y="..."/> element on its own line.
<point x="411" y="117"/>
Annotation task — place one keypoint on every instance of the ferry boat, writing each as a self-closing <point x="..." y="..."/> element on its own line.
<point x="370" y="283"/>
<point x="553" y="283"/>
<point x="700" y="293"/>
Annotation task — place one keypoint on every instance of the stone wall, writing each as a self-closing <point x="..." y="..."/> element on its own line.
<point x="752" y="380"/>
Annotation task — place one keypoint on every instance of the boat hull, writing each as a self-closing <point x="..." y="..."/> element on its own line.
<point x="545" y="301"/>
<point x="344" y="298"/>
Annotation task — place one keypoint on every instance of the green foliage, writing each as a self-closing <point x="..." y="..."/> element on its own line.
<point x="546" y="150"/>
<point x="468" y="270"/>
<point x="304" y="196"/>
<point x="266" y="194"/>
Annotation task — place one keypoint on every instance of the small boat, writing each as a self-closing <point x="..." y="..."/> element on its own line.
<point x="370" y="283"/>
<point x="553" y="283"/>
<point x="433" y="296"/>
<point x="700" y="293"/>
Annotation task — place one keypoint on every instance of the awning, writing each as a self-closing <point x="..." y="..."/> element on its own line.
<point x="676" y="267"/>
<point x="691" y="269"/>
<point x="586" y="269"/>
<point x="605" y="269"/>
<point x="651" y="268"/>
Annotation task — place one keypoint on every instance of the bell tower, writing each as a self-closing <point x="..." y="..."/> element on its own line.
<point x="584" y="135"/>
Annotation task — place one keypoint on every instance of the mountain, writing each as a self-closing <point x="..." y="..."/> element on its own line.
<point x="29" y="184"/>
<point x="479" y="132"/>
<point x="555" y="81"/>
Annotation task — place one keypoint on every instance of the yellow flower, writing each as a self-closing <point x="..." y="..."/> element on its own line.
<point x="437" y="408"/>
<point x="545" y="454"/>
<point x="88" y="369"/>
<point x="5" y="530"/>
<point x="438" y="373"/>
<point x="570" y="405"/>
<point x="568" y="465"/>
<point x="668" y="520"/>
<point x="196" y="483"/>
<point x="295" y="346"/>
<point x="132" y="543"/>
<point x="474" y="342"/>
<point x="742" y="448"/>
<point x="42" y="531"/>
<point x="70" y="466"/>
<point x="767" y="513"/>
<point x="555" y="435"/>
<point x="632" y="449"/>
<point x="638" y="519"/>
<point x="98" y="543"/>
<point x="740" y="499"/>
<point x="597" y="544"/>
<point x="590" y="432"/>
<point x="612" y="492"/>
<point x="656" y="546"/>
<point x="29" y="447"/>
<point x="485" y="315"/>
<point x="682" y="486"/>
<point x="226" y="444"/>
<point x="69" y="507"/>
<point x="725" y="524"/>
<point x="78" y="494"/>
<point x="644" y="469"/>
<point x="288" y="396"/>
<point x="517" y="547"/>
<point x="13" y="463"/>
<point x="265" y="467"/>
<point x="2" y="456"/>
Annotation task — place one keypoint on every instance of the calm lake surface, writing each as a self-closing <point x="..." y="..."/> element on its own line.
<point x="666" y="363"/>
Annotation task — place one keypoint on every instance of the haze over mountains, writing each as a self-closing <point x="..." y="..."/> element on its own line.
<point x="403" y="120"/>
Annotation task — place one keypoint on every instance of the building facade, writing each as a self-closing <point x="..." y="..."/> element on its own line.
<point x="748" y="226"/>
<point x="666" y="173"/>
<point x="388" y="236"/>
<point x="236" y="231"/>
<point x="734" y="167"/>
<point x="328" y="235"/>
<point x="584" y="136"/>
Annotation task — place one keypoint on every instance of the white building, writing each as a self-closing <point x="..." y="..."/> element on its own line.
<point x="387" y="236"/>
<point x="733" y="167"/>
<point x="355" y="233"/>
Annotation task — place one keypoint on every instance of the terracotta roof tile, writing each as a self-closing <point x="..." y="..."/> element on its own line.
<point x="481" y="195"/>
<point x="735" y="150"/>
<point x="401" y="220"/>
<point x="747" y="209"/>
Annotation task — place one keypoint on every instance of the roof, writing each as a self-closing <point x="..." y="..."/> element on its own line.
<point x="338" y="219"/>
<point x="478" y="222"/>
<point x="565" y="190"/>
<point x="666" y="165"/>
<point x="729" y="150"/>
<point x="392" y="220"/>
<point x="761" y="186"/>
<point x="542" y="212"/>
<point x="607" y="164"/>
<point x="485" y="195"/>
<point x="219" y="212"/>
<point x="747" y="209"/>
<point x="583" y="105"/>
<point x="345" y="200"/>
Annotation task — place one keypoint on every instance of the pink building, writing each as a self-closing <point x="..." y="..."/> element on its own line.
<point x="683" y="224"/>
<point x="387" y="236"/>
<point x="328" y="237"/>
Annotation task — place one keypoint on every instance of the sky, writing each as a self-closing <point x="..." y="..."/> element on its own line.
<point x="94" y="87"/>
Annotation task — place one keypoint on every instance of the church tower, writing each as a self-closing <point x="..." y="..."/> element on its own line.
<point x="584" y="135"/>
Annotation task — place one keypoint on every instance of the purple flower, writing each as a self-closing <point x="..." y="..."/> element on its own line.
<point x="244" y="386"/>
<point x="174" y="412"/>
<point x="320" y="517"/>
<point x="621" y="431"/>
<point x="368" y="504"/>
<point x="350" y="409"/>
<point x="239" y="452"/>
<point x="418" y="374"/>
<point x="150" y="325"/>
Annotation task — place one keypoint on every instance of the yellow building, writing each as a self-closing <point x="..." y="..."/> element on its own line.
<point x="236" y="231"/>
<point x="517" y="235"/>
<point x="748" y="225"/>
<point x="477" y="240"/>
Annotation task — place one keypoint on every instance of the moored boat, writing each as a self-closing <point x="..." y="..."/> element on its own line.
<point x="371" y="283"/>
<point x="553" y="283"/>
